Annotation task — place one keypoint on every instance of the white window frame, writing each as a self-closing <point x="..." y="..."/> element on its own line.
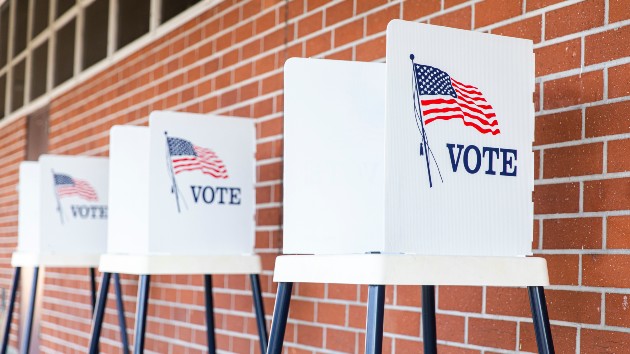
<point x="156" y="30"/>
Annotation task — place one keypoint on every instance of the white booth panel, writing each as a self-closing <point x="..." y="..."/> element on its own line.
<point x="128" y="230"/>
<point x="334" y="145"/>
<point x="202" y="184"/>
<point x="28" y="208"/>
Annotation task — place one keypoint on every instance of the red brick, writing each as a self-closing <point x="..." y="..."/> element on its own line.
<point x="537" y="164"/>
<point x="339" y="12"/>
<point x="572" y="233"/>
<point x="558" y="57"/>
<point x="558" y="127"/>
<point x="488" y="12"/>
<point x="310" y="335"/>
<point x="363" y="6"/>
<point x="450" y="328"/>
<point x="371" y="50"/>
<point x="349" y="32"/>
<point x="319" y="44"/>
<point x="596" y="341"/>
<point x="574" y="90"/>
<point x="618" y="232"/>
<point x="451" y="3"/>
<point x="611" y="194"/>
<point x="608" y="119"/>
<point x="618" y="78"/>
<point x="574" y="18"/>
<point x="460" y="298"/>
<point x="531" y="5"/>
<point x="413" y="10"/>
<point x="461" y="18"/>
<point x="342" y="292"/>
<point x="564" y="338"/>
<point x="556" y="198"/>
<point x="507" y="301"/>
<point x="340" y="341"/>
<point x="618" y="155"/>
<point x="574" y="160"/>
<point x="529" y="28"/>
<point x="310" y="24"/>
<point x="402" y="322"/>
<point x="492" y="333"/>
<point x="574" y="306"/>
<point x="408" y="346"/>
<point x="606" y="270"/>
<point x="334" y="314"/>
<point x="377" y="22"/>
<point x="618" y="10"/>
<point x="607" y="46"/>
<point x="617" y="310"/>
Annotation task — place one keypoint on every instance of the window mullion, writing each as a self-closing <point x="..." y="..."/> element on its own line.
<point x="78" y="42"/>
<point x="113" y="28"/>
<point x="29" y="49"/>
<point x="155" y="15"/>
<point x="9" y="92"/>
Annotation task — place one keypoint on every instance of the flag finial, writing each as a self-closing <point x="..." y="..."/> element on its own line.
<point x="411" y="56"/>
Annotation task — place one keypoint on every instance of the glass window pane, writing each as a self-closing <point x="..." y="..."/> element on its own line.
<point x="172" y="8"/>
<point x="64" y="53"/>
<point x="17" y="95"/>
<point x="39" y="70"/>
<point x="133" y="20"/>
<point x="40" y="16"/>
<point x="63" y="6"/>
<point x="95" y="32"/>
<point x="3" y="87"/>
<point x="4" y="34"/>
<point x="19" y="34"/>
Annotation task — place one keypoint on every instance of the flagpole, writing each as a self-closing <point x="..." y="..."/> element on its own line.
<point x="57" y="197"/>
<point x="423" y="132"/>
<point x="169" y="162"/>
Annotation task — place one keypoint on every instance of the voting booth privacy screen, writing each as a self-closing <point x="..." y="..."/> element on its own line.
<point x="182" y="186"/>
<point x="63" y="206"/>
<point x="429" y="153"/>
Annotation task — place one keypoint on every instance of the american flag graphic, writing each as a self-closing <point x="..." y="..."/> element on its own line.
<point x="188" y="157"/>
<point x="66" y="186"/>
<point x="451" y="99"/>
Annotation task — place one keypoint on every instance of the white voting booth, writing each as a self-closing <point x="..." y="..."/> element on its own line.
<point x="417" y="171"/>
<point x="182" y="201"/>
<point x="62" y="222"/>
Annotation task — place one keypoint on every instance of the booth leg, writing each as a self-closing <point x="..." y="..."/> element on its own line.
<point x="375" y="315"/>
<point x="280" y="315"/>
<point x="7" y="325"/>
<point x="28" y="325"/>
<point x="124" y="341"/>
<point x="207" y="284"/>
<point x="99" y="314"/>
<point x="541" y="319"/>
<point x="260" y="311"/>
<point x="93" y="288"/>
<point x="141" y="313"/>
<point x="428" y="319"/>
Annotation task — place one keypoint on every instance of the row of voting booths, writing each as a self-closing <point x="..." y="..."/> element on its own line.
<point x="429" y="157"/>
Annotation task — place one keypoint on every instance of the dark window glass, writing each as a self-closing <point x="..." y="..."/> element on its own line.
<point x="17" y="98"/>
<point x="4" y="34"/>
<point x="63" y="6"/>
<point x="95" y="32"/>
<point x="19" y="34"/>
<point x="39" y="70"/>
<point x="172" y="8"/>
<point x="3" y="87"/>
<point x="40" y="16"/>
<point x="64" y="53"/>
<point x="133" y="20"/>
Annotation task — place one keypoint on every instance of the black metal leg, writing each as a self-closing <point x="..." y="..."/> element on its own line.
<point x="28" y="325"/>
<point x="7" y="325"/>
<point x="207" y="283"/>
<point x="141" y="313"/>
<point x="121" y="314"/>
<point x="280" y="315"/>
<point x="99" y="314"/>
<point x="428" y="319"/>
<point x="375" y="315"/>
<point x="541" y="319"/>
<point x="93" y="288"/>
<point x="260" y="311"/>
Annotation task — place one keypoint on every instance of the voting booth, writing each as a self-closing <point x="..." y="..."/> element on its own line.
<point x="417" y="171"/>
<point x="62" y="220"/>
<point x="182" y="201"/>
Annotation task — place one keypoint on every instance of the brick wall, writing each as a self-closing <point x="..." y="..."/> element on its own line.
<point x="229" y="60"/>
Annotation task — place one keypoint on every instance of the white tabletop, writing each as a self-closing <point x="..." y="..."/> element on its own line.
<point x="379" y="269"/>
<point x="29" y="259"/>
<point x="180" y="264"/>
